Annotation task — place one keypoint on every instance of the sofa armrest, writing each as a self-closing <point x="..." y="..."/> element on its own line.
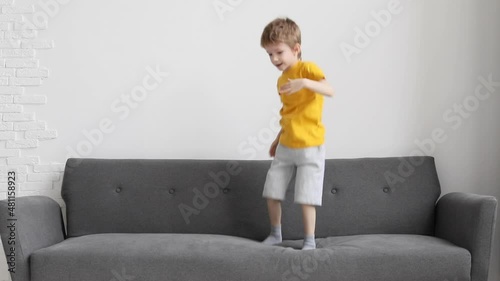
<point x="37" y="223"/>
<point x="468" y="220"/>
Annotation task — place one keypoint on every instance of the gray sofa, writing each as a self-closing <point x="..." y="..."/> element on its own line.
<point x="151" y="220"/>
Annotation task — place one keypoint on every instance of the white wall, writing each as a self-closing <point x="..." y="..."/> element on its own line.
<point x="221" y="88"/>
<point x="219" y="98"/>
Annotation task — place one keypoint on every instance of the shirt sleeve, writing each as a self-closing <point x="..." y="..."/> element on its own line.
<point x="313" y="72"/>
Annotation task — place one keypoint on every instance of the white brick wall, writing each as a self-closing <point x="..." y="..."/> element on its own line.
<point x="25" y="126"/>
<point x="18" y="10"/>
<point x="10" y="108"/>
<point x="18" y="53"/>
<point x="18" y="117"/>
<point x="6" y="126"/>
<point x="30" y="99"/>
<point x="21" y="132"/>
<point x="8" y="90"/>
<point x="21" y="63"/>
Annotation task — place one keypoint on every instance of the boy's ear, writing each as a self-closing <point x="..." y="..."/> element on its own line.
<point x="297" y="48"/>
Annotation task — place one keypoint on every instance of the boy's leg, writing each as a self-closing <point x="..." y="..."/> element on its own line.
<point x="309" y="189"/>
<point x="278" y="178"/>
<point x="309" y="219"/>
<point x="274" y="208"/>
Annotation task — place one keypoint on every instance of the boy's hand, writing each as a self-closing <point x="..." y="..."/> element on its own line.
<point x="293" y="86"/>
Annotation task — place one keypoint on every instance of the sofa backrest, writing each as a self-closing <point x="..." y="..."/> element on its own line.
<point x="360" y="196"/>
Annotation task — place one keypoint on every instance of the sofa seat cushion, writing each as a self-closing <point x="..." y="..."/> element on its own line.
<point x="153" y="257"/>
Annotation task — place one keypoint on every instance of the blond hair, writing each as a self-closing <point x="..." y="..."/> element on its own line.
<point x="281" y="30"/>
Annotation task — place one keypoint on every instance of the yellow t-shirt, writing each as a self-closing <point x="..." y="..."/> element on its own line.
<point x="301" y="112"/>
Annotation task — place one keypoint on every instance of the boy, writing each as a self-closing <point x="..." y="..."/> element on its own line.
<point x="299" y="145"/>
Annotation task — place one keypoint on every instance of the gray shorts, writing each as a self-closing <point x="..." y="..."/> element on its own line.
<point x="308" y="166"/>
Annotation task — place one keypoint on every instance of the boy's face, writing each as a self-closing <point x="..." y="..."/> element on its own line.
<point x="282" y="56"/>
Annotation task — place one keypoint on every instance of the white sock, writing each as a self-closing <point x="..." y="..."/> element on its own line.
<point x="309" y="243"/>
<point x="274" y="237"/>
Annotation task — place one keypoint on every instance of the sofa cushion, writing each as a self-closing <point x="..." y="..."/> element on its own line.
<point x="153" y="257"/>
<point x="393" y="195"/>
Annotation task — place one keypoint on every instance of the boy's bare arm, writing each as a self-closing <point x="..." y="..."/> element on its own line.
<point x="321" y="87"/>
<point x="279" y="134"/>
<point x="277" y="139"/>
<point x="274" y="145"/>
